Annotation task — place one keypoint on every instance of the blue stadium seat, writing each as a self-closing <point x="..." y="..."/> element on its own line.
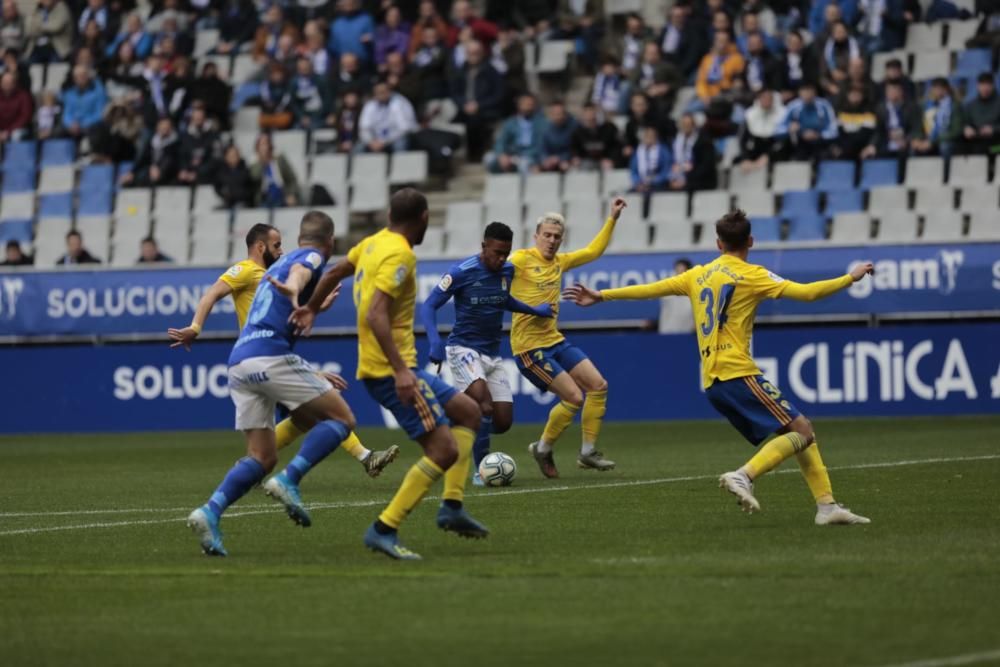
<point x="58" y="152"/>
<point x="18" y="180"/>
<point x="845" y="201"/>
<point x="766" y="230"/>
<point x="15" y="230"/>
<point x="806" y="228"/>
<point x="878" y="172"/>
<point x="800" y="202"/>
<point x="835" y="175"/>
<point x="972" y="62"/>
<point x="97" y="178"/>
<point x="123" y="168"/>
<point x="20" y="154"/>
<point x="56" y="205"/>
<point x="94" y="201"/>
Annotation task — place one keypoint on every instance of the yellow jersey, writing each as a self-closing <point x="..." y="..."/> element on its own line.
<point x="243" y="278"/>
<point x="538" y="281"/>
<point x="384" y="262"/>
<point x="724" y="295"/>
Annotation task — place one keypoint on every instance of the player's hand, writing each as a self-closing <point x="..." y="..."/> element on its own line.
<point x="861" y="270"/>
<point x="338" y="382"/>
<point x="328" y="301"/>
<point x="303" y="318"/>
<point x="285" y="289"/>
<point x="617" y="206"/>
<point x="437" y="352"/>
<point x="546" y="310"/>
<point x="406" y="387"/>
<point x="183" y="337"/>
<point x="582" y="295"/>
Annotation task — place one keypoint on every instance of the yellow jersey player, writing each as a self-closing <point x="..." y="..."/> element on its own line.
<point x="724" y="296"/>
<point x="385" y="292"/>
<point x="543" y="354"/>
<point x="241" y="281"/>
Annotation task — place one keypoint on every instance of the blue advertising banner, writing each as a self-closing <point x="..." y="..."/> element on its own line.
<point x="908" y="279"/>
<point x="849" y="371"/>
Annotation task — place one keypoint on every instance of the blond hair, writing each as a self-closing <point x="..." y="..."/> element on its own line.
<point x="551" y="218"/>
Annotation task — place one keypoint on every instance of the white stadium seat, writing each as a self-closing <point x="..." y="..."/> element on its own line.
<point x="923" y="171"/>
<point x="668" y="206"/>
<point x="944" y="226"/>
<point x="50" y="242"/>
<point x="672" y="234"/>
<point x="542" y="186"/>
<point x="408" y="167"/>
<point x="930" y="198"/>
<point x="887" y="198"/>
<point x="851" y="229"/>
<point x="56" y="179"/>
<point x="502" y="188"/>
<point x="791" y="176"/>
<point x="709" y="205"/>
<point x="897" y="227"/>
<point x="96" y="234"/>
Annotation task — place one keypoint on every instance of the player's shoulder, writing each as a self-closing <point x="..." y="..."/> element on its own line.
<point x="246" y="269"/>
<point x="467" y="264"/>
<point x="307" y="256"/>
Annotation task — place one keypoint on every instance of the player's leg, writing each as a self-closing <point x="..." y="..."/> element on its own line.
<point x="469" y="372"/>
<point x="479" y="392"/>
<point x="465" y="415"/>
<point x="560" y="417"/>
<point x="588" y="378"/>
<point x="828" y="511"/>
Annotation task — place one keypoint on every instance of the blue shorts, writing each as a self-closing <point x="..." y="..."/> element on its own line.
<point x="426" y="414"/>
<point x="753" y="405"/>
<point x="541" y="366"/>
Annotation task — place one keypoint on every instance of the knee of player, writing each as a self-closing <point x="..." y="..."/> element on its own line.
<point x="268" y="460"/>
<point x="349" y="421"/>
<point x="804" y="427"/>
<point x="486" y="409"/>
<point x="445" y="455"/>
<point x="601" y="385"/>
<point x="501" y="424"/>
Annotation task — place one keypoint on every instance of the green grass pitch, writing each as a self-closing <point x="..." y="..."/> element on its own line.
<point x="650" y="564"/>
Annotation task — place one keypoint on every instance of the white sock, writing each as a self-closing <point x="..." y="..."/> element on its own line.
<point x="364" y="455"/>
<point x="825" y="507"/>
<point x="544" y="447"/>
<point x="586" y="449"/>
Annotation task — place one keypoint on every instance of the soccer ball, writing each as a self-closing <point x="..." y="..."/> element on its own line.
<point x="497" y="469"/>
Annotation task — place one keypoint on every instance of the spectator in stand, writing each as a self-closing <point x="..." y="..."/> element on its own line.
<point x="719" y="70"/>
<point x="386" y="121"/>
<point x="651" y="163"/>
<point x="350" y="77"/>
<point x="659" y="80"/>
<point x="237" y="25"/>
<point x="269" y="32"/>
<point x="508" y="58"/>
<point x="276" y="99"/>
<point x="428" y="57"/>
<point x="169" y="9"/>
<point x="97" y="11"/>
<point x="519" y="143"/>
<point x="75" y="252"/>
<point x="857" y="77"/>
<point x="116" y="138"/>
<point x="15" y="256"/>
<point x="16" y="107"/>
<point x="682" y="42"/>
<point x="693" y="165"/>
<point x="610" y="90"/>
<point x="180" y="85"/>
<point x="353" y="31"/>
<point x="810" y="124"/>
<point x="158" y="159"/>
<point x="898" y="124"/>
<point x="149" y="252"/>
<point x="232" y="180"/>
<point x="428" y="17"/>
<point x="275" y="182"/>
<point x="762" y="68"/>
<point x="943" y="121"/>
<point x="981" y="115"/>
<point x="581" y="21"/>
<point x="759" y="143"/>
<point x="157" y="101"/>
<point x="199" y="147"/>
<point x="215" y="92"/>
<point x="640" y="115"/>
<point x="183" y="43"/>
<point x="404" y="80"/>
<point x="477" y="91"/>
<point x="50" y="32"/>
<point x="47" y="116"/>
<point x="83" y="104"/>
<point x="798" y="66"/>
<point x="557" y="139"/>
<point x="311" y="103"/>
<point x="135" y="34"/>
<point x="287" y="51"/>
<point x="314" y="47"/>
<point x="824" y="13"/>
<point x="837" y="52"/>
<point x="124" y="73"/>
<point x="881" y="25"/>
<point x="596" y="145"/>
<point x="857" y="120"/>
<point x="462" y="16"/>
<point x="894" y="74"/>
<point x="13" y="34"/>
<point x="750" y="25"/>
<point x="347" y="122"/>
<point x="633" y="42"/>
<point x="391" y="36"/>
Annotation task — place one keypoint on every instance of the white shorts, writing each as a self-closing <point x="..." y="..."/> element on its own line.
<point x="468" y="366"/>
<point x="258" y="384"/>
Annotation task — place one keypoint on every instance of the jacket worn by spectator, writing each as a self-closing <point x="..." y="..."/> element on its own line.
<point x="53" y="28"/>
<point x="346" y="33"/>
<point x="696" y="152"/>
<point x="818" y="116"/>
<point x="717" y="74"/>
<point x="557" y="140"/>
<point x="16" y="109"/>
<point x="521" y="137"/>
<point x="199" y="151"/>
<point x="596" y="144"/>
<point x="485" y="83"/>
<point x="683" y="47"/>
<point x="84" y="107"/>
<point x="896" y="122"/>
<point x="651" y="165"/>
<point x="234" y="184"/>
<point x="274" y="182"/>
<point x="387" y="123"/>
<point x="984" y="113"/>
<point x="162" y="152"/>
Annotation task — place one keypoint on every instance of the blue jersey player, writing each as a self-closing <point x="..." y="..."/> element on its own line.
<point x="480" y="286"/>
<point x="264" y="371"/>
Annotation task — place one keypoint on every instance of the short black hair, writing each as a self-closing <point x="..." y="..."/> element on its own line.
<point x="499" y="231"/>
<point x="258" y="232"/>
<point x="407" y="206"/>
<point x="316" y="226"/>
<point x="13" y="244"/>
<point x="685" y="261"/>
<point x="985" y="77"/>
<point x="894" y="62"/>
<point x="941" y="82"/>
<point x="71" y="233"/>
<point x="733" y="229"/>
<point x="148" y="239"/>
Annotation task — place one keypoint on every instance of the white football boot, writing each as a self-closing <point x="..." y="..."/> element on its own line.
<point x="738" y="484"/>
<point x="836" y="514"/>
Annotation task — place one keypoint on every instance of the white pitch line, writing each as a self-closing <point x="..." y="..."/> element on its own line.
<point x="954" y="661"/>
<point x="251" y="510"/>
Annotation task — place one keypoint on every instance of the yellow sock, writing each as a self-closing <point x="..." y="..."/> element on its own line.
<point x="815" y="473"/>
<point x="560" y="417"/>
<point x="594" y="407"/>
<point x="773" y="453"/>
<point x="352" y="445"/>
<point x="415" y="485"/>
<point x="456" y="476"/>
<point x="286" y="432"/>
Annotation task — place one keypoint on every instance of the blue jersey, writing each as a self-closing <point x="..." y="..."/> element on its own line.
<point x="268" y="332"/>
<point x="481" y="297"/>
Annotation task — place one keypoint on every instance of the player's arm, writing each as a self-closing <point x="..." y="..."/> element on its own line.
<point x="298" y="277"/>
<point x="599" y="243"/>
<point x="428" y="317"/>
<point x="518" y="306"/>
<point x="380" y="322"/>
<point x="304" y="316"/>
<point x="582" y="295"/>
<point x="824" y="288"/>
<point x="217" y="292"/>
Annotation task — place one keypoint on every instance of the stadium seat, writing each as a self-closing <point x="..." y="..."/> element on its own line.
<point x="287" y="220"/>
<point x="923" y="37"/>
<point x="204" y="41"/>
<point x="944" y="226"/>
<point x="672" y="234"/>
<point x="20" y="155"/>
<point x="707" y="237"/>
<point x="632" y="232"/>
<point x="17" y="181"/>
<point x="623" y="7"/>
<point x="462" y="214"/>
<point x="805" y="202"/>
<point x="668" y="206"/>
<point x="97" y="177"/>
<point x="835" y="175"/>
<point x="851" y="229"/>
<point x="293" y="145"/>
<point x="578" y="183"/>
<point x="807" y="227"/>
<point x="844" y="201"/>
<point x="756" y="203"/>
<point x="50" y="241"/>
<point x="244" y="69"/>
<point x="19" y="206"/>
<point x="369" y="167"/>
<point x="176" y="244"/>
<point x="96" y="234"/>
<point x="37" y="74"/>
<point x="56" y="74"/>
<point x="897" y="227"/>
<point x="878" y="172"/>
<point x="330" y="171"/>
<point x="128" y="234"/>
<point x="584" y="219"/>
<point x="133" y="202"/>
<point x="408" y="167"/>
<point x="533" y="210"/>
<point x="56" y="179"/>
<point x="246" y="142"/>
<point x="729" y="149"/>
<point x="206" y="199"/>
<point x="58" y="153"/>
<point x="502" y="188"/>
<point x="973" y="62"/>
<point x="510" y="213"/>
<point x="923" y="171"/>
<point x="15" y="230"/>
<point x="463" y="241"/>
<point x="960" y="32"/>
<point x="247" y="120"/>
<point x="122" y="169"/>
<point x="929" y="65"/>
<point x="983" y="226"/>
<point x="615" y="182"/>
<point x="934" y="198"/>
<point x="747" y="181"/>
<point x="58" y="205"/>
<point x="766" y="229"/>
<point x="968" y="170"/>
<point x="980" y="198"/>
<point x="210" y="238"/>
<point x="171" y="201"/>
<point x="543" y="186"/>
<point x="433" y="245"/>
<point x="369" y="196"/>
<point x="709" y="205"/>
<point x="791" y="176"/>
<point x="888" y="198"/>
<point x="880" y="59"/>
<point x="553" y="56"/>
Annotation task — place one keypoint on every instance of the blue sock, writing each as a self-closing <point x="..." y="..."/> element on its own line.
<point x="324" y="437"/>
<point x="241" y="478"/>
<point x="481" y="447"/>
